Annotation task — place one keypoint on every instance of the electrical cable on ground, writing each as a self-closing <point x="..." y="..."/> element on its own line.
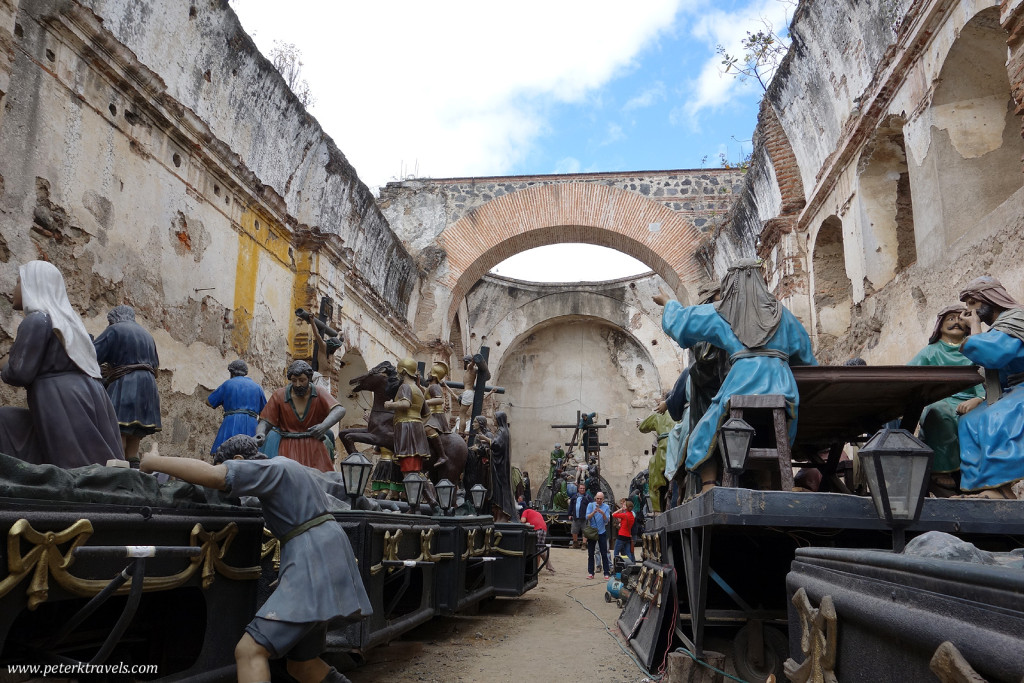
<point x="608" y="630"/>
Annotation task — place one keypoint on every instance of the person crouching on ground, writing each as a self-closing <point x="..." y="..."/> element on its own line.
<point x="318" y="580"/>
<point x="536" y="520"/>
<point x="624" y="540"/>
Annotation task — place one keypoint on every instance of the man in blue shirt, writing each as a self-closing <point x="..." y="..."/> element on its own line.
<point x="578" y="512"/>
<point x="598" y="516"/>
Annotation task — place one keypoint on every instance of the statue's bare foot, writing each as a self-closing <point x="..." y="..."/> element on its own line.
<point x="707" y="486"/>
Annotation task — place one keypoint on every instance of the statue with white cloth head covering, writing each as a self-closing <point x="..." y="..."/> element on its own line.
<point x="69" y="421"/>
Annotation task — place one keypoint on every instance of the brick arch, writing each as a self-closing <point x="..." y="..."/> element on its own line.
<point x="572" y="212"/>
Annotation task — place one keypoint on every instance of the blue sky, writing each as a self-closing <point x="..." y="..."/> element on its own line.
<point x="472" y="88"/>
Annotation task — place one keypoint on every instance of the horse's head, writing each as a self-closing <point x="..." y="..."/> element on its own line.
<point x="382" y="377"/>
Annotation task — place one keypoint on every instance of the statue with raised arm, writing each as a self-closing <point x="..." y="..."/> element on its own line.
<point x="298" y="416"/>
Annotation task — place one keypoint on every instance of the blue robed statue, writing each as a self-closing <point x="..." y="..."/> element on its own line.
<point x="242" y="398"/>
<point x="762" y="339"/>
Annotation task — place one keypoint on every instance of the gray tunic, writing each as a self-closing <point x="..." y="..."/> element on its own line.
<point x="319" y="579"/>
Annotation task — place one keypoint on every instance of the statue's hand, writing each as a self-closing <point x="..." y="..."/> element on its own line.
<point x="661" y="298"/>
<point x="318" y="431"/>
<point x="967" y="406"/>
<point x="260" y="439"/>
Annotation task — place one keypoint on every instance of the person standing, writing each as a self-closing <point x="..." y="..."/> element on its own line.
<point x="536" y="520"/>
<point x="69" y="421"/>
<point x="578" y="513"/>
<point x="624" y="538"/>
<point x="526" y="488"/>
<point x="242" y="399"/>
<point x="598" y="516"/>
<point x="300" y="415"/>
<point x="129" y="352"/>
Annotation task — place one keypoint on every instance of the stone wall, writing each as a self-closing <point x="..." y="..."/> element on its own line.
<point x="419" y="209"/>
<point x="886" y="171"/>
<point x="159" y="160"/>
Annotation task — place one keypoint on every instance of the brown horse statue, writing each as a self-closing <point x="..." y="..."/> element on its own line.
<point x="383" y="382"/>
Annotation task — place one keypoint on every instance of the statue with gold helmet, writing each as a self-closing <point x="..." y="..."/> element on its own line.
<point x="437" y="421"/>
<point x="411" y="447"/>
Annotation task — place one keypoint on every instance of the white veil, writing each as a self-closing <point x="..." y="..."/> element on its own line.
<point x="43" y="289"/>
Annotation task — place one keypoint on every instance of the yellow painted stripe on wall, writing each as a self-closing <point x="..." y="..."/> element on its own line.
<point x="259" y="235"/>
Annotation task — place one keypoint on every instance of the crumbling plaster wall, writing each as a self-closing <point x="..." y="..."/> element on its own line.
<point x="854" y="70"/>
<point x="157" y="158"/>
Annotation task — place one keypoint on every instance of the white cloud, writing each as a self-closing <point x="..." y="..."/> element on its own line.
<point x="567" y="165"/>
<point x="649" y="96"/>
<point x="614" y="134"/>
<point x="457" y="88"/>
<point x="712" y="88"/>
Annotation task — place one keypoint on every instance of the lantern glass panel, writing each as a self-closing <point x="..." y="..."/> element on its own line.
<point x="355" y="469"/>
<point x="477" y="495"/>
<point x="904" y="475"/>
<point x="445" y="491"/>
<point x="413" y="487"/>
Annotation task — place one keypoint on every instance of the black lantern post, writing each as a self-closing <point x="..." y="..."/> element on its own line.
<point x="414" y="483"/>
<point x="734" y="438"/>
<point x="897" y="465"/>
<point x="477" y="494"/>
<point x="445" y="494"/>
<point x="355" y="469"/>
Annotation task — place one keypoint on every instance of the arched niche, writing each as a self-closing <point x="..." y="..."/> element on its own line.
<point x="966" y="148"/>
<point x="833" y="291"/>
<point x="579" y="363"/>
<point x="886" y="204"/>
<point x="350" y="366"/>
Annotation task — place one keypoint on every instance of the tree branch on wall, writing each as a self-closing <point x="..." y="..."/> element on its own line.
<point x="761" y="51"/>
<point x="287" y="59"/>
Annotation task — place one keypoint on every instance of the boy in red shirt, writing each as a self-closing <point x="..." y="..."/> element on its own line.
<point x="624" y="541"/>
<point x="536" y="520"/>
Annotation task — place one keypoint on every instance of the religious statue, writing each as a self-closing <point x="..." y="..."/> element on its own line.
<point x="319" y="580"/>
<point x="661" y="424"/>
<point x="503" y="501"/>
<point x="128" y="351"/>
<point x="411" y="447"/>
<point x="991" y="440"/>
<point x="242" y="399"/>
<point x="478" y="464"/>
<point x="555" y="467"/>
<point x="325" y="376"/>
<point x="762" y="339"/>
<point x="466" y="396"/>
<point x="299" y="416"/>
<point x="437" y="421"/>
<point x="69" y="421"/>
<point x="939" y="421"/>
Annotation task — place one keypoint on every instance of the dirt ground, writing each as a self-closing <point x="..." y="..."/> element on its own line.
<point x="543" y="635"/>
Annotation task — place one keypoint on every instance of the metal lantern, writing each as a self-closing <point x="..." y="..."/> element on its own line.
<point x="477" y="494"/>
<point x="414" y="483"/>
<point x="734" y="438"/>
<point x="356" y="470"/>
<point x="897" y="465"/>
<point x="445" y="493"/>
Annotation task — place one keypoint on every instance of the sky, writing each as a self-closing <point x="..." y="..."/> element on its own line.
<point x="454" y="89"/>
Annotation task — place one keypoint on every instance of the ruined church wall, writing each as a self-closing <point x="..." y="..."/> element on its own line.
<point x="559" y="348"/>
<point x="148" y="154"/>
<point x="901" y="127"/>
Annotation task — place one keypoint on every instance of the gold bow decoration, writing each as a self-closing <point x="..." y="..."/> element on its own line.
<point x="391" y="542"/>
<point x="818" y="641"/>
<point x="495" y="546"/>
<point x="271" y="545"/>
<point x="471" y="549"/>
<point x="426" y="548"/>
<point x="46" y="560"/>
